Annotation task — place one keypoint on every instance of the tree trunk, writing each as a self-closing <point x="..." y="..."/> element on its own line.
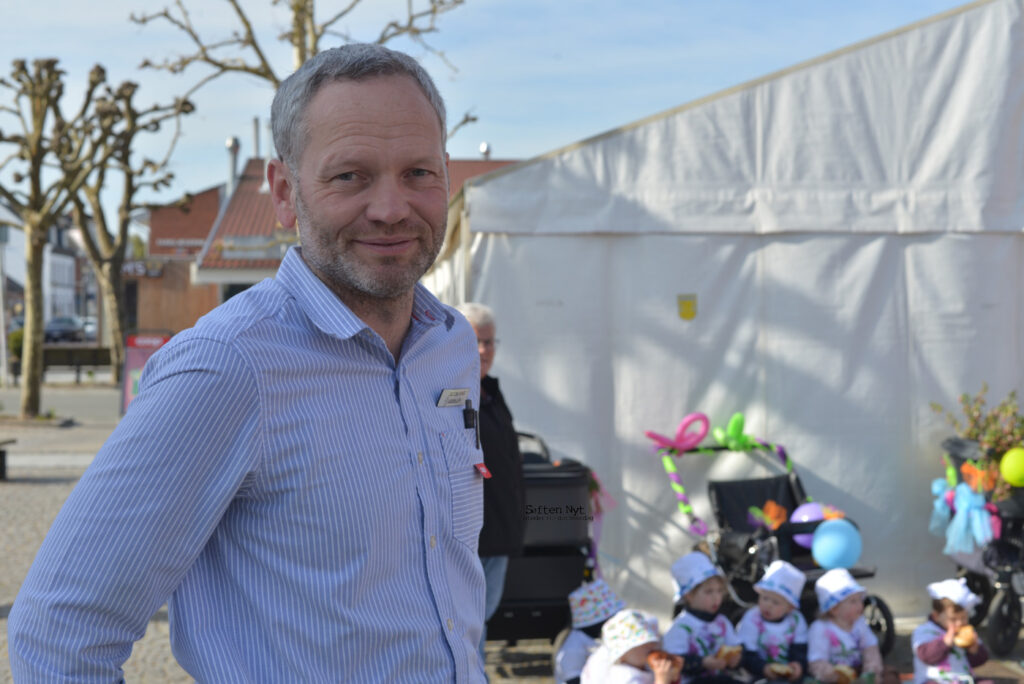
<point x="110" y="284"/>
<point x="298" y="35"/>
<point x="32" y="349"/>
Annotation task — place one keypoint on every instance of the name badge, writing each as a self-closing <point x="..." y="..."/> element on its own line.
<point x="453" y="397"/>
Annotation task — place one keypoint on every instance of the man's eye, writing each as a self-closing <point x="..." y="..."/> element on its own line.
<point x="420" y="172"/>
<point x="347" y="176"/>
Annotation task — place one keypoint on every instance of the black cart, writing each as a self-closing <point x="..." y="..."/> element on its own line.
<point x="556" y="552"/>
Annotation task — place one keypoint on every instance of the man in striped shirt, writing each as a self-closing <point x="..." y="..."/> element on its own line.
<point x="298" y="477"/>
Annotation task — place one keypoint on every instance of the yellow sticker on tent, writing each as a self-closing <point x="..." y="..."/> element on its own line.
<point x="687" y="306"/>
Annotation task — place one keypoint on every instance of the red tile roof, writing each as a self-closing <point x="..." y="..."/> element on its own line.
<point x="181" y="231"/>
<point x="250" y="212"/>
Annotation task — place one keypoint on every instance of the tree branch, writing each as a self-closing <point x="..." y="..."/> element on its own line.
<point x="204" y="50"/>
<point x="253" y="44"/>
<point x="467" y="119"/>
<point x="411" y="26"/>
<point x="12" y="199"/>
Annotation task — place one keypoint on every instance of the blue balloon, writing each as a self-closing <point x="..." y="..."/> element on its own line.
<point x="836" y="544"/>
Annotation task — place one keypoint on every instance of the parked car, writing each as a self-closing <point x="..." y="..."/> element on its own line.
<point x="64" y="329"/>
<point x="90" y="328"/>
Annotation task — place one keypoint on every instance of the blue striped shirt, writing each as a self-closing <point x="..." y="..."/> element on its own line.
<point x="300" y="500"/>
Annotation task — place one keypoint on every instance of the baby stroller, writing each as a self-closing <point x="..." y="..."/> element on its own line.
<point x="556" y="555"/>
<point x="743" y="548"/>
<point x="995" y="572"/>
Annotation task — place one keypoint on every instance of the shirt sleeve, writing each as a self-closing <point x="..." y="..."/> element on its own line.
<point x="139" y="516"/>
<point x="746" y="630"/>
<point x="872" y="660"/>
<point x="817" y="642"/>
<point x="730" y="637"/>
<point x="865" y="637"/>
<point x="800" y="635"/>
<point x="932" y="652"/>
<point x="571" y="658"/>
<point x="595" y="670"/>
<point x="979" y="657"/>
<point x="676" y="640"/>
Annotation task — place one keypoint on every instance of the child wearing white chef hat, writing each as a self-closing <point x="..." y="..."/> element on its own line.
<point x="946" y="647"/>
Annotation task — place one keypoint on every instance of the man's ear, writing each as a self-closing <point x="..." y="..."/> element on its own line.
<point x="282" y="191"/>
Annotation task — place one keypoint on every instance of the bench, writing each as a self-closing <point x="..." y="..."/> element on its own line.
<point x="68" y="355"/>
<point x="75" y="355"/>
<point x="4" y="443"/>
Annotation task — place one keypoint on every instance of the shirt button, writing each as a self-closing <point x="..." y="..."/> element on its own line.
<point x="433" y="541"/>
<point x="451" y="625"/>
<point x="419" y="456"/>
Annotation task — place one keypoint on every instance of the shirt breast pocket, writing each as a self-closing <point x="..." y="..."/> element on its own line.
<point x="465" y="486"/>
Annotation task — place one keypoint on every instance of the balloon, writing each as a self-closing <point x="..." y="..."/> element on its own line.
<point x="732" y="437"/>
<point x="684" y="439"/>
<point x="1012" y="467"/>
<point x="808" y="512"/>
<point x="836" y="544"/>
<point x="735" y="426"/>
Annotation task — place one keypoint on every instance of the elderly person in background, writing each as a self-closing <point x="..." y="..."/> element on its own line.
<point x="502" y="533"/>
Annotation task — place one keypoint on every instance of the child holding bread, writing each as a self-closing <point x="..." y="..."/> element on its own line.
<point x="946" y="647"/>
<point x="705" y="639"/>
<point x="774" y="633"/>
<point x="840" y="644"/>
<point x="591" y="605"/>
<point x="630" y="653"/>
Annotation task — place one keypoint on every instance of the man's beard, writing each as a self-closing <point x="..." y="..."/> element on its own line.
<point x="345" y="274"/>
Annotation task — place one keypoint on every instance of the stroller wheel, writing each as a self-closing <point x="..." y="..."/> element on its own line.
<point x="879" y="619"/>
<point x="1003" y="622"/>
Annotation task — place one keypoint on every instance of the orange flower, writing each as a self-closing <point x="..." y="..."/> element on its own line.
<point x="979" y="479"/>
<point x="831" y="512"/>
<point x="774" y="514"/>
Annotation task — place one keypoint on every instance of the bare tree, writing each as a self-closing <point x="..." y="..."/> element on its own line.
<point x="107" y="244"/>
<point x="66" y="164"/>
<point x="241" y="51"/>
<point x="58" y="155"/>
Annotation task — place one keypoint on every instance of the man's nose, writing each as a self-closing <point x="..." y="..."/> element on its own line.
<point x="387" y="202"/>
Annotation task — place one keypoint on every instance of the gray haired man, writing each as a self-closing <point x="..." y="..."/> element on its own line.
<point x="298" y="475"/>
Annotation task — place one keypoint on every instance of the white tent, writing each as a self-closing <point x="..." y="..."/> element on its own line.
<point x="850" y="232"/>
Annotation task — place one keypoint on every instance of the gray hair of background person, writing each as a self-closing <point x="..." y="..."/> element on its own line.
<point x="478" y="315"/>
<point x="356" y="62"/>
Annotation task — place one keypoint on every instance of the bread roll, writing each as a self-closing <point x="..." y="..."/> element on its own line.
<point x="730" y="654"/>
<point x="780" y="670"/>
<point x="845" y="674"/>
<point x="965" y="637"/>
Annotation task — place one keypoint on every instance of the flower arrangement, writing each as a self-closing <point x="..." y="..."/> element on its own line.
<point x="996" y="430"/>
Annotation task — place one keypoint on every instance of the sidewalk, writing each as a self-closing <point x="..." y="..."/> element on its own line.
<point x="47" y="460"/>
<point x="86" y="415"/>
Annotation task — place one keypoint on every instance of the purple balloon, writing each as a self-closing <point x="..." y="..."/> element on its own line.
<point x="808" y="512"/>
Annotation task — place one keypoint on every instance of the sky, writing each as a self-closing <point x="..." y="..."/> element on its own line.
<point x="538" y="74"/>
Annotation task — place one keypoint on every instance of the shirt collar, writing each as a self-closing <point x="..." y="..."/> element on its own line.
<point x="702" y="615"/>
<point x="331" y="315"/>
